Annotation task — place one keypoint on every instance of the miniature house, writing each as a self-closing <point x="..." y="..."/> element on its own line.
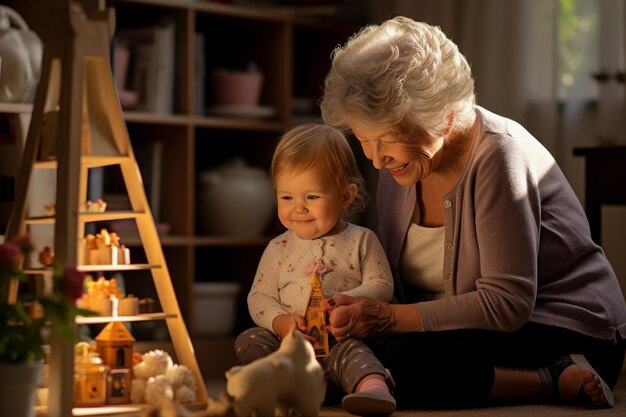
<point x="115" y="346"/>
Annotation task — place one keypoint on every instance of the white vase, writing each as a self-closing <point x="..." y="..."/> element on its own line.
<point x="235" y="200"/>
<point x="21" y="51"/>
<point x="18" y="388"/>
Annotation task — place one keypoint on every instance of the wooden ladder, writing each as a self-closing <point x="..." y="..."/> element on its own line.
<point x="77" y="107"/>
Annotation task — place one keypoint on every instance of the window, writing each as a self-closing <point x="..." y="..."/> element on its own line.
<point x="577" y="48"/>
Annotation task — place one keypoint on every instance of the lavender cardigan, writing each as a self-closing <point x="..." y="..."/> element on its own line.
<point x="517" y="243"/>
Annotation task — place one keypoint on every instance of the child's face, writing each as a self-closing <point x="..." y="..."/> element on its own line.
<point x="310" y="204"/>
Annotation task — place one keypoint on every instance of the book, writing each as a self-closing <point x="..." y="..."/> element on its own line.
<point x="151" y="67"/>
<point x="200" y="75"/>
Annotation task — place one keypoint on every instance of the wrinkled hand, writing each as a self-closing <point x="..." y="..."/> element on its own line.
<point x="283" y="323"/>
<point x="357" y="316"/>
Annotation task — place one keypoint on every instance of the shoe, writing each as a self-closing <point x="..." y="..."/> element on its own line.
<point x="369" y="403"/>
<point x="607" y="400"/>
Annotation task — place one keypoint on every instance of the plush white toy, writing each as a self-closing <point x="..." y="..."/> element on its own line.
<point x="153" y="363"/>
<point x="157" y="374"/>
<point x="290" y="380"/>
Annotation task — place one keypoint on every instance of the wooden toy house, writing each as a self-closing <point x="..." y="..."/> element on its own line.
<point x="115" y="346"/>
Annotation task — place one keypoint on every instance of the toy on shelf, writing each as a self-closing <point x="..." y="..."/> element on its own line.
<point x="105" y="248"/>
<point x="97" y="206"/>
<point x="49" y="209"/>
<point x="90" y="377"/>
<point x="128" y="306"/>
<point x="99" y="294"/>
<point x="155" y="373"/>
<point x="46" y="256"/>
<point x="147" y="305"/>
<point x="115" y="346"/>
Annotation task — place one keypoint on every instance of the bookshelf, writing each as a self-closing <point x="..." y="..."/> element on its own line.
<point x="292" y="49"/>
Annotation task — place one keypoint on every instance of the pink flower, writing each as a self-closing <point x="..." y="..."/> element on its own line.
<point x="71" y="283"/>
<point x="25" y="243"/>
<point x="10" y="256"/>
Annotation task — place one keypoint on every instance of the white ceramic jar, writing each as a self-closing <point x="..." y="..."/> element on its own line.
<point x="235" y="200"/>
<point x="21" y="53"/>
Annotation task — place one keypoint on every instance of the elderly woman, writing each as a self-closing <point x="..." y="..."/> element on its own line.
<point x="500" y="293"/>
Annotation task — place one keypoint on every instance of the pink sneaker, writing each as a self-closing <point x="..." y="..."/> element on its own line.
<point x="369" y="403"/>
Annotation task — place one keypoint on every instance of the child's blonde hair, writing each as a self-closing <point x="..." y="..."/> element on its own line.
<point x="314" y="144"/>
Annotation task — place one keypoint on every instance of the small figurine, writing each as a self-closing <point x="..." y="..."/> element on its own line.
<point x="98" y="206"/>
<point x="49" y="209"/>
<point x="290" y="379"/>
<point x="46" y="256"/>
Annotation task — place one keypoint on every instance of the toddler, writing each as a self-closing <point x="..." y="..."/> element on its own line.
<point x="317" y="185"/>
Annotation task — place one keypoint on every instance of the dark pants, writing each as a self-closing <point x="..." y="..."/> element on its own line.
<point x="349" y="361"/>
<point x="456" y="368"/>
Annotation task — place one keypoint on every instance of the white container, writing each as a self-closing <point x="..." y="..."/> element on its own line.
<point x="235" y="200"/>
<point x="214" y="307"/>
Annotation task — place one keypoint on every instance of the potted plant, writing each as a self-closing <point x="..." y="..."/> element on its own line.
<point x="23" y="322"/>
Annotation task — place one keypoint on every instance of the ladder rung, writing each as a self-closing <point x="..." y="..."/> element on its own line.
<point x="131" y="267"/>
<point x="138" y="317"/>
<point x="88" y="217"/>
<point x="95" y="268"/>
<point x="89" y="161"/>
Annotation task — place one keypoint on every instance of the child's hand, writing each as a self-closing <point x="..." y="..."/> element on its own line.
<point x="283" y="323"/>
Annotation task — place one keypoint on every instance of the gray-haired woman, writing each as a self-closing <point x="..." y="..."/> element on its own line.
<point x="500" y="293"/>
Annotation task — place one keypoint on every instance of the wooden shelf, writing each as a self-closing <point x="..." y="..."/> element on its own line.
<point x="88" y="161"/>
<point x="88" y="217"/>
<point x="105" y="268"/>
<point x="239" y="123"/>
<point x="15" y="108"/>
<point x="127" y="410"/>
<point x="96" y="268"/>
<point x="125" y="319"/>
<point x="134" y="410"/>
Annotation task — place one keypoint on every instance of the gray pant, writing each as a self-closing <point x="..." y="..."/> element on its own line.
<point x="348" y="362"/>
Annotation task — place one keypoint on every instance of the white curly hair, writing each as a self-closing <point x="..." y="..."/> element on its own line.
<point x="404" y="74"/>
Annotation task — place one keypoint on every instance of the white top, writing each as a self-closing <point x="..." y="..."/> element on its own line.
<point x="351" y="262"/>
<point x="421" y="261"/>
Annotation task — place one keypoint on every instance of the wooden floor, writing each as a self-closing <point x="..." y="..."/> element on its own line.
<point x="553" y="410"/>
<point x="215" y="355"/>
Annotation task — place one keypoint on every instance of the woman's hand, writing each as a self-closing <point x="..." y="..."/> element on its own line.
<point x="357" y="316"/>
<point x="283" y="323"/>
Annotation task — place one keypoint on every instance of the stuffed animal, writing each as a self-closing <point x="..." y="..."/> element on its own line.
<point x="289" y="379"/>
<point x="156" y="374"/>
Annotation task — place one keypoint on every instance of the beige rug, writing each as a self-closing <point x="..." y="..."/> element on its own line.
<point x="514" y="411"/>
<point x="216" y="386"/>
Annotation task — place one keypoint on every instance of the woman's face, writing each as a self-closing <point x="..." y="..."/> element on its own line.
<point x="310" y="203"/>
<point x="408" y="160"/>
